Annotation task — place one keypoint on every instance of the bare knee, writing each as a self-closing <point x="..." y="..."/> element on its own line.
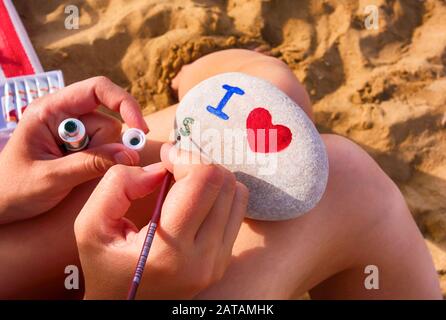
<point x="373" y="225"/>
<point x="249" y="62"/>
<point x="362" y="209"/>
<point x="367" y="196"/>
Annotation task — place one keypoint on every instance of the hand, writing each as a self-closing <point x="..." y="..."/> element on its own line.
<point x="35" y="173"/>
<point x="199" y="223"/>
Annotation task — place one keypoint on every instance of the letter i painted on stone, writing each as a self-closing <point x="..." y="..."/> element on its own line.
<point x="218" y="111"/>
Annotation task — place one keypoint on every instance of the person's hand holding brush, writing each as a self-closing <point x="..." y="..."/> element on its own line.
<point x="200" y="220"/>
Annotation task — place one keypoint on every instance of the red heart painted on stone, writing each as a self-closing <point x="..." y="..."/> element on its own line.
<point x="259" y="140"/>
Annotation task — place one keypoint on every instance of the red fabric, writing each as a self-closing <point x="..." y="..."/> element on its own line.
<point x="260" y="118"/>
<point x="13" y="59"/>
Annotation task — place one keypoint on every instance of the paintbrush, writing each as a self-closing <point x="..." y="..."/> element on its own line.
<point x="149" y="236"/>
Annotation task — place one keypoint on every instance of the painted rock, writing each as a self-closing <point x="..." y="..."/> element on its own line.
<point x="256" y="131"/>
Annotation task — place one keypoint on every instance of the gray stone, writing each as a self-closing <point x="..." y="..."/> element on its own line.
<point x="283" y="184"/>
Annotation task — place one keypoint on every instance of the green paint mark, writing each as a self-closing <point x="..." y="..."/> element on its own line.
<point x="186" y="130"/>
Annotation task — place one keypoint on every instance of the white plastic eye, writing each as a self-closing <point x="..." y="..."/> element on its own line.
<point x="134" y="139"/>
<point x="73" y="134"/>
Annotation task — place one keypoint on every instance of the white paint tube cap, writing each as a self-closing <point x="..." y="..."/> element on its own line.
<point x="134" y="139"/>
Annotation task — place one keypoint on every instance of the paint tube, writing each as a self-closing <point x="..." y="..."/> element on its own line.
<point x="42" y="86"/>
<point x="9" y="110"/>
<point x="73" y="134"/>
<point x="53" y="82"/>
<point x="31" y="90"/>
<point x="18" y="92"/>
<point x="20" y="98"/>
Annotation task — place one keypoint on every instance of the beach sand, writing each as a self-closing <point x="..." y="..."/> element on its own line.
<point x="385" y="89"/>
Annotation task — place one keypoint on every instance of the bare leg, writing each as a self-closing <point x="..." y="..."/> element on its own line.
<point x="249" y="62"/>
<point x="361" y="220"/>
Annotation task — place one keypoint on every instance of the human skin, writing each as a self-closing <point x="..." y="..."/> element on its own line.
<point x="200" y="220"/>
<point x="37" y="172"/>
<point x="361" y="220"/>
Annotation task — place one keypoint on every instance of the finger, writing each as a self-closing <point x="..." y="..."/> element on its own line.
<point x="167" y="153"/>
<point x="102" y="214"/>
<point x="238" y="212"/>
<point x="101" y="128"/>
<point x="83" y="97"/>
<point x="213" y="227"/>
<point x="82" y="166"/>
<point x="178" y="161"/>
<point x="191" y="198"/>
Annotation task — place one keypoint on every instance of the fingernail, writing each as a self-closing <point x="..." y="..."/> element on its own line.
<point x="124" y="158"/>
<point x="155" y="167"/>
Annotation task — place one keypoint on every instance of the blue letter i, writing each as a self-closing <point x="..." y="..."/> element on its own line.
<point x="229" y="92"/>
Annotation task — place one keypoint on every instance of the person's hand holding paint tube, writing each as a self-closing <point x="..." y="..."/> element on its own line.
<point x="200" y="220"/>
<point x="36" y="172"/>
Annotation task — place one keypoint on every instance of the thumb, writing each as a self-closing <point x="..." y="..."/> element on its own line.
<point x="103" y="213"/>
<point x="80" y="167"/>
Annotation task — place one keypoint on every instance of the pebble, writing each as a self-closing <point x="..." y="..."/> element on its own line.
<point x="256" y="131"/>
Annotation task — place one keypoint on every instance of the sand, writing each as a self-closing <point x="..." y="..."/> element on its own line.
<point x="385" y="89"/>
